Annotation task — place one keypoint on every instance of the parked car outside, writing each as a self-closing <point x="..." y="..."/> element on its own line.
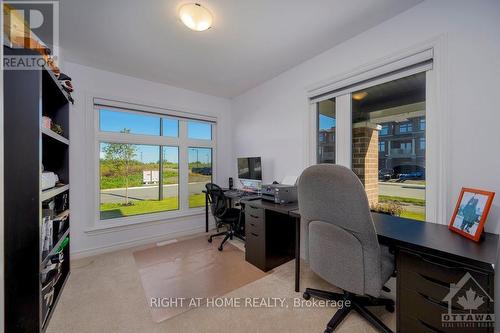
<point x="385" y="174"/>
<point x="410" y="176"/>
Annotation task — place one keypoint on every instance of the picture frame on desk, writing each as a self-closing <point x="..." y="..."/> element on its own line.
<point x="471" y="212"/>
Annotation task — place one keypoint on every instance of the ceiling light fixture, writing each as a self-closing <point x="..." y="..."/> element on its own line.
<point x="195" y="17"/>
<point x="359" y="95"/>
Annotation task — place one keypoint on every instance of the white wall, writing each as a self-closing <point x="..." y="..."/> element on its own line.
<point x="271" y="119"/>
<point x="90" y="82"/>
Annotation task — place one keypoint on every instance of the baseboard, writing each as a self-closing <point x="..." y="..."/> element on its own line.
<point x="136" y="242"/>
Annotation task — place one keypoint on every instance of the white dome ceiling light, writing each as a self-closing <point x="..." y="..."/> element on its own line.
<point x="195" y="17"/>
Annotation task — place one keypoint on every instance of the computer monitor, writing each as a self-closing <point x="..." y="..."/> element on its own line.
<point x="249" y="168"/>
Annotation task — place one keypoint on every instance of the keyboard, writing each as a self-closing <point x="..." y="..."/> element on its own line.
<point x="233" y="193"/>
<point x="252" y="197"/>
<point x="242" y="194"/>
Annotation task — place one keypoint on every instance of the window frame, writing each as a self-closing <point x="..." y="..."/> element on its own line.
<point x="436" y="106"/>
<point x="182" y="142"/>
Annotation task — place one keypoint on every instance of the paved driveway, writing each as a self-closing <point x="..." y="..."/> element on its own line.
<point x="147" y="192"/>
<point x="402" y="190"/>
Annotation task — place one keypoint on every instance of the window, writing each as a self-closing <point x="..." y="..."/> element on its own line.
<point x="326" y="131"/>
<point x="405" y="147"/>
<point x="405" y="127"/>
<point x="371" y="104"/>
<point x="131" y="123"/>
<point x="198" y="130"/>
<point x="422" y="124"/>
<point x="170" y="127"/>
<point x="381" y="146"/>
<point x="384" y="130"/>
<point x="401" y="102"/>
<point x="200" y="173"/>
<point x="142" y="157"/>
<point x="422" y="143"/>
<point x="130" y="180"/>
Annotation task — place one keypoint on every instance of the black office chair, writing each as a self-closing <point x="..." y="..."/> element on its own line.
<point x="224" y="215"/>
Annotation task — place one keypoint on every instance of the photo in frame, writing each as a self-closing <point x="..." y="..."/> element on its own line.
<point x="470" y="213"/>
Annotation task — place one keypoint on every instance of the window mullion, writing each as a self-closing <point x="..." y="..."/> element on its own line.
<point x="183" y="166"/>
<point x="343" y="140"/>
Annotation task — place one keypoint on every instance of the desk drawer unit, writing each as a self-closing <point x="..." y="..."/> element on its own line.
<point x="254" y="223"/>
<point x="270" y="237"/>
<point x="253" y="212"/>
<point x="423" y="289"/>
<point x="255" y="237"/>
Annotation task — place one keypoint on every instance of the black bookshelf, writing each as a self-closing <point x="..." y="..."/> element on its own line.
<point x="34" y="274"/>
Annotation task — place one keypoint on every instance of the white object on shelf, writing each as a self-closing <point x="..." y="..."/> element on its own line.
<point x="46" y="122"/>
<point x="49" y="180"/>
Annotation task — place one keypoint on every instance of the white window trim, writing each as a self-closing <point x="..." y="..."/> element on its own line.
<point x="92" y="126"/>
<point x="437" y="118"/>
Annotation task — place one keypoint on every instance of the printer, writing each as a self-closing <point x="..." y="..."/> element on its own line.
<point x="279" y="193"/>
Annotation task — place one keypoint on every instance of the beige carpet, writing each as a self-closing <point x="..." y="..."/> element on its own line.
<point x="104" y="294"/>
<point x="183" y="275"/>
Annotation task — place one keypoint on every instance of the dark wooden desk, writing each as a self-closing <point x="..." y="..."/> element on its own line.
<point x="424" y="236"/>
<point x="430" y="257"/>
<point x="437" y="238"/>
<point x="422" y="249"/>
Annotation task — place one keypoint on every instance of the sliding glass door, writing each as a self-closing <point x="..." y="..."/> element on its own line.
<point x="379" y="131"/>
<point x="388" y="145"/>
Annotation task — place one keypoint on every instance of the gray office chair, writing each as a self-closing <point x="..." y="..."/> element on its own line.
<point x="342" y="246"/>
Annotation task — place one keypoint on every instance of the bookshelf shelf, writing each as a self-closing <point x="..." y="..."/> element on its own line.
<point x="55" y="136"/>
<point x="49" y="194"/>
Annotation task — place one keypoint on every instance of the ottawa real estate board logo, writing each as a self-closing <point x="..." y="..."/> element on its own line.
<point x="469" y="305"/>
<point x="30" y="29"/>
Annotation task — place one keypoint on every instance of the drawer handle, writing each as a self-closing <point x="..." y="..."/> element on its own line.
<point x="441" y="283"/>
<point x="252" y="224"/>
<point x="255" y="217"/>
<point x="432" y="300"/>
<point x="435" y="330"/>
<point x="254" y="234"/>
<point x="437" y="263"/>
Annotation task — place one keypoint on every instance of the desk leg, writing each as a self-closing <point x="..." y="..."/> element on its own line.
<point x="297" y="254"/>
<point x="206" y="212"/>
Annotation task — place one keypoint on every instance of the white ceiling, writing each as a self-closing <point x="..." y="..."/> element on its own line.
<point x="251" y="41"/>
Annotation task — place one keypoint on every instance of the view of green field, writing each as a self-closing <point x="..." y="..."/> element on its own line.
<point x="123" y="196"/>
<point x="114" y="210"/>
<point x="111" y="177"/>
<point x="411" y="208"/>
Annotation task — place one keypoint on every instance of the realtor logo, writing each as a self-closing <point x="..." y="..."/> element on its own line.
<point x="468" y="305"/>
<point x="31" y="30"/>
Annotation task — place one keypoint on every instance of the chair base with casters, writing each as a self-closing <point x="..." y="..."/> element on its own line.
<point x="230" y="232"/>
<point x="357" y="303"/>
